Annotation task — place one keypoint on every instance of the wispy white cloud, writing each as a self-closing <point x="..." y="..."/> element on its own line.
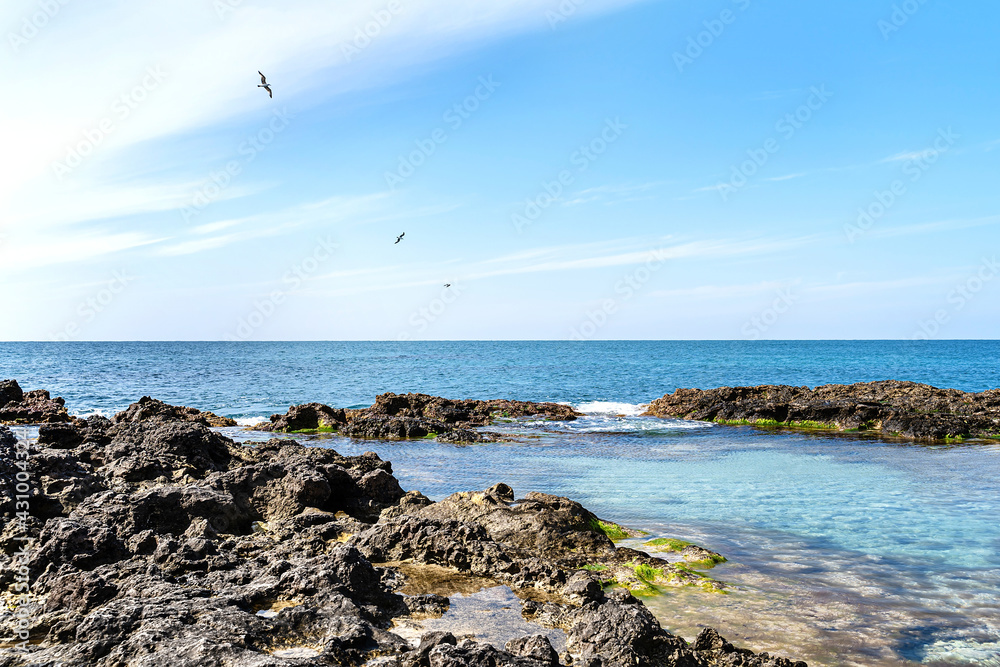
<point x="611" y="193"/>
<point x="201" y="245"/>
<point x="333" y="210"/>
<point x="905" y="156"/>
<point x="786" y="177"/>
<point x="575" y="257"/>
<point x="75" y="203"/>
<point x="721" y="292"/>
<point x="868" y="287"/>
<point x="77" y="247"/>
<point x="73" y="75"/>
<point x="932" y="227"/>
<point x="719" y="187"/>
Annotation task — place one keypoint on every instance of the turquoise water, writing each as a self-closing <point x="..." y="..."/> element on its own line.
<point x="843" y="550"/>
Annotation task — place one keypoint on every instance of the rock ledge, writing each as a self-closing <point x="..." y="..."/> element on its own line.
<point x="889" y="408"/>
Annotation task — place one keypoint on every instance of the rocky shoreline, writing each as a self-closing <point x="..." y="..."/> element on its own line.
<point x="159" y="541"/>
<point x="408" y="416"/>
<point x="151" y="539"/>
<point x="889" y="408"/>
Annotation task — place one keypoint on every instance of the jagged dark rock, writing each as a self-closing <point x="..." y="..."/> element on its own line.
<point x="29" y="407"/>
<point x="10" y="392"/>
<point x="543" y="530"/>
<point x="890" y="408"/>
<point x="308" y="417"/>
<point x="411" y="416"/>
<point x="150" y="409"/>
<point x="466" y="412"/>
<point x="548" y="526"/>
<point x="162" y="542"/>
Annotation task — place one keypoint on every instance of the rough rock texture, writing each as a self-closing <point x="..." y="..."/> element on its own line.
<point x="151" y="409"/>
<point x="409" y="416"/>
<point x="534" y="542"/>
<point x="891" y="408"/>
<point x="464" y="413"/>
<point x="29" y="407"/>
<point x="161" y="542"/>
<point x="308" y="417"/>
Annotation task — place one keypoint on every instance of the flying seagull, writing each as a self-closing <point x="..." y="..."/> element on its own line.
<point x="400" y="238"/>
<point x="265" y="85"/>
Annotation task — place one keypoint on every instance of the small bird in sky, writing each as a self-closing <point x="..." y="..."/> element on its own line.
<point x="447" y="284"/>
<point x="265" y="85"/>
<point x="400" y="238"/>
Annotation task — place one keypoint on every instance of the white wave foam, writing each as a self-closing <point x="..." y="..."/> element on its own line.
<point x="610" y="408"/>
<point x="251" y="421"/>
<point x="615" y="424"/>
<point x="963" y="651"/>
<point x="97" y="412"/>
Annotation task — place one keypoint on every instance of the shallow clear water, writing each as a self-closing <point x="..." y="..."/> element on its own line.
<point x="491" y="615"/>
<point x="843" y="550"/>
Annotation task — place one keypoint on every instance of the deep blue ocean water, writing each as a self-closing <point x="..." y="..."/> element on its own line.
<point x="249" y="379"/>
<point x="843" y="550"/>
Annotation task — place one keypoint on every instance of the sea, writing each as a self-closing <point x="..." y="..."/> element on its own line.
<point x="843" y="549"/>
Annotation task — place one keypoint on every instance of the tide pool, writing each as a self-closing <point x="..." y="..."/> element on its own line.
<point x="842" y="551"/>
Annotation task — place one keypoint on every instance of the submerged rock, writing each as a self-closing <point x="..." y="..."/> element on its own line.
<point x="890" y="407"/>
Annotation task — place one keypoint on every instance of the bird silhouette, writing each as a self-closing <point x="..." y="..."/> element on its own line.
<point x="400" y="238"/>
<point x="265" y="85"/>
<point x="447" y="284"/>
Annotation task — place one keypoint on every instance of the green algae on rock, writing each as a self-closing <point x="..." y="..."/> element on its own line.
<point x="694" y="555"/>
<point x="893" y="408"/>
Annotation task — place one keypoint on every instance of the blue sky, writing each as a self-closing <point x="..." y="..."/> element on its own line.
<point x="580" y="169"/>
